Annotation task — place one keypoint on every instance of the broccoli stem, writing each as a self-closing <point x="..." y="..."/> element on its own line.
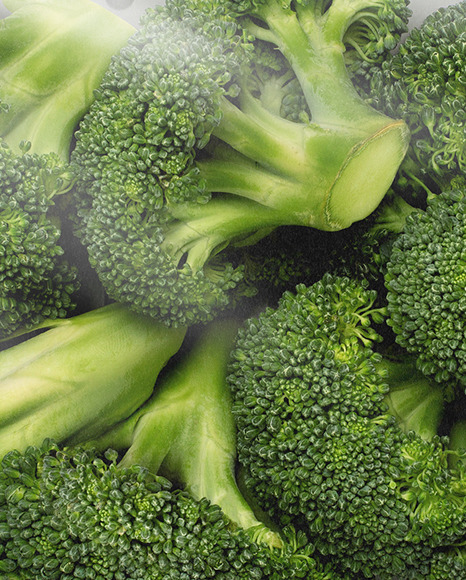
<point x="417" y="403"/>
<point x="312" y="177"/>
<point x="186" y="431"/>
<point x="313" y="44"/>
<point x="80" y="377"/>
<point x="201" y="231"/>
<point x="53" y="56"/>
<point x="346" y="149"/>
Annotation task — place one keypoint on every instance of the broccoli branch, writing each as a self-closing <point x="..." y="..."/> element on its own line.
<point x="186" y="431"/>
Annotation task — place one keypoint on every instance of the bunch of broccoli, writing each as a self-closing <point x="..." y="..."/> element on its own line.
<point x="196" y="142"/>
<point x="340" y="434"/>
<point x="237" y="235"/>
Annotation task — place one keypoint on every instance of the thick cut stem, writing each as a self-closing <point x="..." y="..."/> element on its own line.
<point x="344" y="161"/>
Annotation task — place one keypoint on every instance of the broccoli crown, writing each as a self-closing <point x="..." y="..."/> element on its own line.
<point x="203" y="135"/>
<point x="320" y="447"/>
<point x="71" y="513"/>
<point x="134" y="160"/>
<point x="36" y="282"/>
<point x="425" y="282"/>
<point x="424" y="84"/>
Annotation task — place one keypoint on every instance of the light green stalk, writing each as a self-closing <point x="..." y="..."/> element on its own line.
<point x="80" y="377"/>
<point x="186" y="431"/>
<point x="53" y="54"/>
<point x="327" y="173"/>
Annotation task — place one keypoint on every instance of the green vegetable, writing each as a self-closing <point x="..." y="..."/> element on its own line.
<point x="222" y="153"/>
<point x="80" y="377"/>
<point x="107" y="516"/>
<point x="339" y="434"/>
<point x="52" y="56"/>
<point x="425" y="279"/>
<point x="186" y="431"/>
<point x="424" y="83"/>
<point x="36" y="280"/>
<point x="187" y="150"/>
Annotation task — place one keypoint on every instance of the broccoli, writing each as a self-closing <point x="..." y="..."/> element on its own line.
<point x="95" y="520"/>
<point x="36" y="281"/>
<point x="185" y="431"/>
<point x="416" y="259"/>
<point x="115" y="514"/>
<point x="450" y="564"/>
<point x="423" y="83"/>
<point x="425" y="279"/>
<point x="203" y="135"/>
<point x="81" y="376"/>
<point x="53" y="54"/>
<point x="339" y="434"/>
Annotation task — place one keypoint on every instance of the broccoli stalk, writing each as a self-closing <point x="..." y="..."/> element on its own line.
<point x="81" y="376"/>
<point x="338" y="155"/>
<point x="53" y="56"/>
<point x="195" y="156"/>
<point x="417" y="403"/>
<point x="186" y="431"/>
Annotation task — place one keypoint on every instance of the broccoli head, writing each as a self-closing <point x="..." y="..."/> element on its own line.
<point x="71" y="513"/>
<point x="425" y="279"/>
<point x="36" y="281"/>
<point x="424" y="84"/>
<point x="203" y="135"/>
<point x="339" y="433"/>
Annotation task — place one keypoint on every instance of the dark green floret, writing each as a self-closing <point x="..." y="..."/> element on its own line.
<point x="424" y="83"/>
<point x="36" y="281"/>
<point x="338" y="433"/>
<point x="448" y="564"/>
<point x="203" y="135"/>
<point x="426" y="280"/>
<point x="70" y="513"/>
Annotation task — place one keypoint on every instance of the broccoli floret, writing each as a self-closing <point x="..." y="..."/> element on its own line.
<point x="52" y="55"/>
<point x="425" y="279"/>
<point x="93" y="519"/>
<point x="36" y="282"/>
<point x="423" y="83"/>
<point x="448" y="564"/>
<point x="326" y="414"/>
<point x="187" y="150"/>
<point x="81" y="376"/>
<point x="115" y="514"/>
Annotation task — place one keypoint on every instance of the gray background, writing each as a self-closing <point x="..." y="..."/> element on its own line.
<point x="132" y="9"/>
